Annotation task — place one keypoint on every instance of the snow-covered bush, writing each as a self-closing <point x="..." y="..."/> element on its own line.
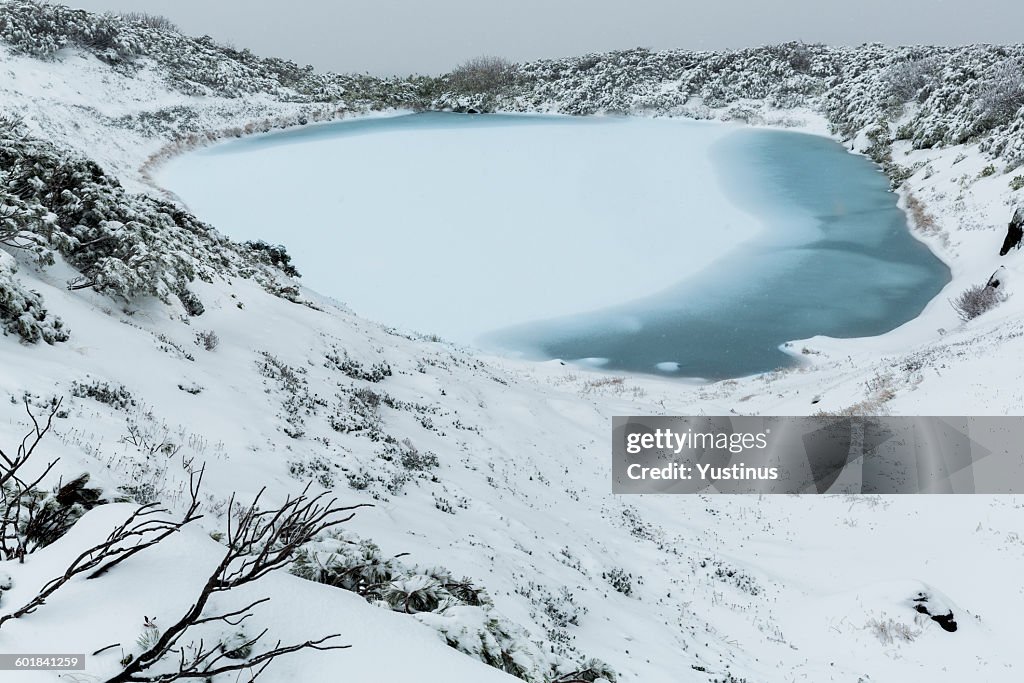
<point x="907" y="80"/>
<point x="726" y="573"/>
<point x="22" y="312"/>
<point x="1002" y="93"/>
<point x="297" y="403"/>
<point x="481" y="635"/>
<point x="157" y="21"/>
<point x="190" y="302"/>
<point x="461" y="612"/>
<point x="25" y="227"/>
<point x="41" y="29"/>
<point x="482" y="75"/>
<point x="799" y="56"/>
<point x="123" y="245"/>
<point x="237" y="645"/>
<point x="889" y="631"/>
<point x="414" y="459"/>
<point x="358" y="412"/>
<point x="34" y="517"/>
<point x="112" y="394"/>
<point x="355" y="369"/>
<point x="275" y="255"/>
<point x="975" y="300"/>
<point x="417" y="593"/>
<point x="620" y="580"/>
<point x="207" y="339"/>
<point x="353" y="565"/>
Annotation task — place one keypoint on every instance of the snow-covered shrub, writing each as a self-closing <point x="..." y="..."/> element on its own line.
<point x="41" y="29"/>
<point x="797" y="55"/>
<point x="354" y="368"/>
<point x="461" y="612"/>
<point x="157" y="21"/>
<point x="554" y="610"/>
<point x="149" y="636"/>
<point x="168" y="345"/>
<point x="619" y="579"/>
<point x="922" y="220"/>
<point x="481" y="635"/>
<point x="297" y="402"/>
<point x="726" y="573"/>
<point x="22" y="312"/>
<point x="562" y="607"/>
<point x="112" y="394"/>
<point x="907" y="80"/>
<point x="190" y="302"/>
<point x="207" y="339"/>
<point x="412" y="458"/>
<point x="1002" y="93"/>
<point x="345" y="562"/>
<point x="360" y="479"/>
<point x="592" y="671"/>
<point x="236" y="645"/>
<point x="316" y="468"/>
<point x="975" y="300"/>
<point x="358" y="413"/>
<point x="889" y="631"/>
<point x="122" y="244"/>
<point x="25" y="227"/>
<point x="482" y="75"/>
<point x="274" y="255"/>
<point x="34" y="518"/>
<point x="416" y="593"/>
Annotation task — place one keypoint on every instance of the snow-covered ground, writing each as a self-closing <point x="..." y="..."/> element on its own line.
<point x="692" y="588"/>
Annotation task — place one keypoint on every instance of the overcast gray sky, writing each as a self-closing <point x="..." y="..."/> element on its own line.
<point x="430" y="36"/>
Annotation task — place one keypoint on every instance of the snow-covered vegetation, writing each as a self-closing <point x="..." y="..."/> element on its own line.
<point x="182" y="374"/>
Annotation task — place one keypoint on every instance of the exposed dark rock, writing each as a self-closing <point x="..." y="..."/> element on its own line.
<point x="944" y="618"/>
<point x="1014" y="232"/>
<point x="997" y="279"/>
<point x="946" y="621"/>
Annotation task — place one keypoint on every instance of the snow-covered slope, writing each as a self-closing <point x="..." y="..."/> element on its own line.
<point x="489" y="468"/>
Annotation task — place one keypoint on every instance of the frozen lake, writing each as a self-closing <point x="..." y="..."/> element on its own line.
<point x="669" y="246"/>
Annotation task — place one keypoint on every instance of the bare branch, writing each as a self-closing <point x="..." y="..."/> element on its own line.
<point x="10" y="466"/>
<point x="141" y="530"/>
<point x="15" y="517"/>
<point x="191" y="515"/>
<point x="258" y="542"/>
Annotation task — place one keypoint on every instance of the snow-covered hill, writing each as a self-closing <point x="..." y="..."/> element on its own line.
<point x="177" y="348"/>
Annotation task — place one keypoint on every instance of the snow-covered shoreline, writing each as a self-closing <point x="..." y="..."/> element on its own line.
<point x="808" y="352"/>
